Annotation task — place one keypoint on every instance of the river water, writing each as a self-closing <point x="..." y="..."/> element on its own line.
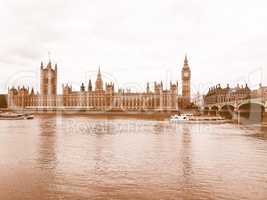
<point x="81" y="157"/>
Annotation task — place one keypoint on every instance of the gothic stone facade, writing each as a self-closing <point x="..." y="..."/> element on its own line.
<point x="218" y="94"/>
<point x="100" y="99"/>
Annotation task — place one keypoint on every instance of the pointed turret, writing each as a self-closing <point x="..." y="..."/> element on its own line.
<point x="99" y="76"/>
<point x="49" y="65"/>
<point x="42" y="65"/>
<point x="185" y="60"/>
<point x="90" y="88"/>
<point x="99" y="81"/>
<point x="82" y="88"/>
<point x="32" y="91"/>
<point x="147" y="88"/>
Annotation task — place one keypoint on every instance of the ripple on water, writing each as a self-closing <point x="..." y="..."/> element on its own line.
<point x="79" y="157"/>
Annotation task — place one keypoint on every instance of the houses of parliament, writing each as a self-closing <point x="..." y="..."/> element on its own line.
<point x="101" y="97"/>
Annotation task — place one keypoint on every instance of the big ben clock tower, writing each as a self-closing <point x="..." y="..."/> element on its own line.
<point x="186" y="77"/>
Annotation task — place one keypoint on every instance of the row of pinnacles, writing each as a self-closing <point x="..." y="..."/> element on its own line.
<point x="108" y="99"/>
<point x="20" y="96"/>
<point x="109" y="88"/>
<point x="88" y="99"/>
<point x="218" y="94"/>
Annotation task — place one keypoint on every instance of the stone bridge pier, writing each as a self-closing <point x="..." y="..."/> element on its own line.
<point x="264" y="117"/>
<point x="244" y="111"/>
<point x="248" y="116"/>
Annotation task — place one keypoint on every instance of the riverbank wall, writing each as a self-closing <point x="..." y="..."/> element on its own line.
<point x="109" y="114"/>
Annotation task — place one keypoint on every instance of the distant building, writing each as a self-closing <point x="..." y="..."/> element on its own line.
<point x="3" y="101"/>
<point x="218" y="94"/>
<point x="260" y="92"/>
<point x="239" y="103"/>
<point x="101" y="98"/>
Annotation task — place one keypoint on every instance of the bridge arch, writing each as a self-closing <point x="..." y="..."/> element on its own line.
<point x="251" y="111"/>
<point x="227" y="111"/>
<point x="206" y="110"/>
<point x="214" y="110"/>
<point x="251" y="102"/>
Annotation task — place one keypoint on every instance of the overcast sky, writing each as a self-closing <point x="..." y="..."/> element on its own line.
<point x="134" y="41"/>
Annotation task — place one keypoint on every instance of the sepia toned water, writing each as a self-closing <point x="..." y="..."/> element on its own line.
<point x="81" y="157"/>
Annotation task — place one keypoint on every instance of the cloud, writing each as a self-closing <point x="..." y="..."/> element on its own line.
<point x="135" y="41"/>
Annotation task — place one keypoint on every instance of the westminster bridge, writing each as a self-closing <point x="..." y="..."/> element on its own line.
<point x="252" y="109"/>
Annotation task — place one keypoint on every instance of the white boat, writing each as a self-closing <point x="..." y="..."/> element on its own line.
<point x="179" y="118"/>
<point x="197" y="119"/>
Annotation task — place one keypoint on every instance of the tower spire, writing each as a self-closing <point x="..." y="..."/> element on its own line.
<point x="186" y="78"/>
<point x="185" y="60"/>
<point x="42" y="65"/>
<point x="90" y="88"/>
<point x="98" y="72"/>
<point x="49" y="65"/>
<point x="99" y="82"/>
<point x="147" y="88"/>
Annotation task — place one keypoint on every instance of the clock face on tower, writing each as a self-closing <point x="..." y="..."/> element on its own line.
<point x="186" y="74"/>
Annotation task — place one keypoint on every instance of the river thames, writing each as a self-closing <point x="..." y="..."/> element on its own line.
<point x="80" y="157"/>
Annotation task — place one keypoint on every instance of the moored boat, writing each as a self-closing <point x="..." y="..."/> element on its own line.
<point x="15" y="116"/>
<point x="197" y="119"/>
